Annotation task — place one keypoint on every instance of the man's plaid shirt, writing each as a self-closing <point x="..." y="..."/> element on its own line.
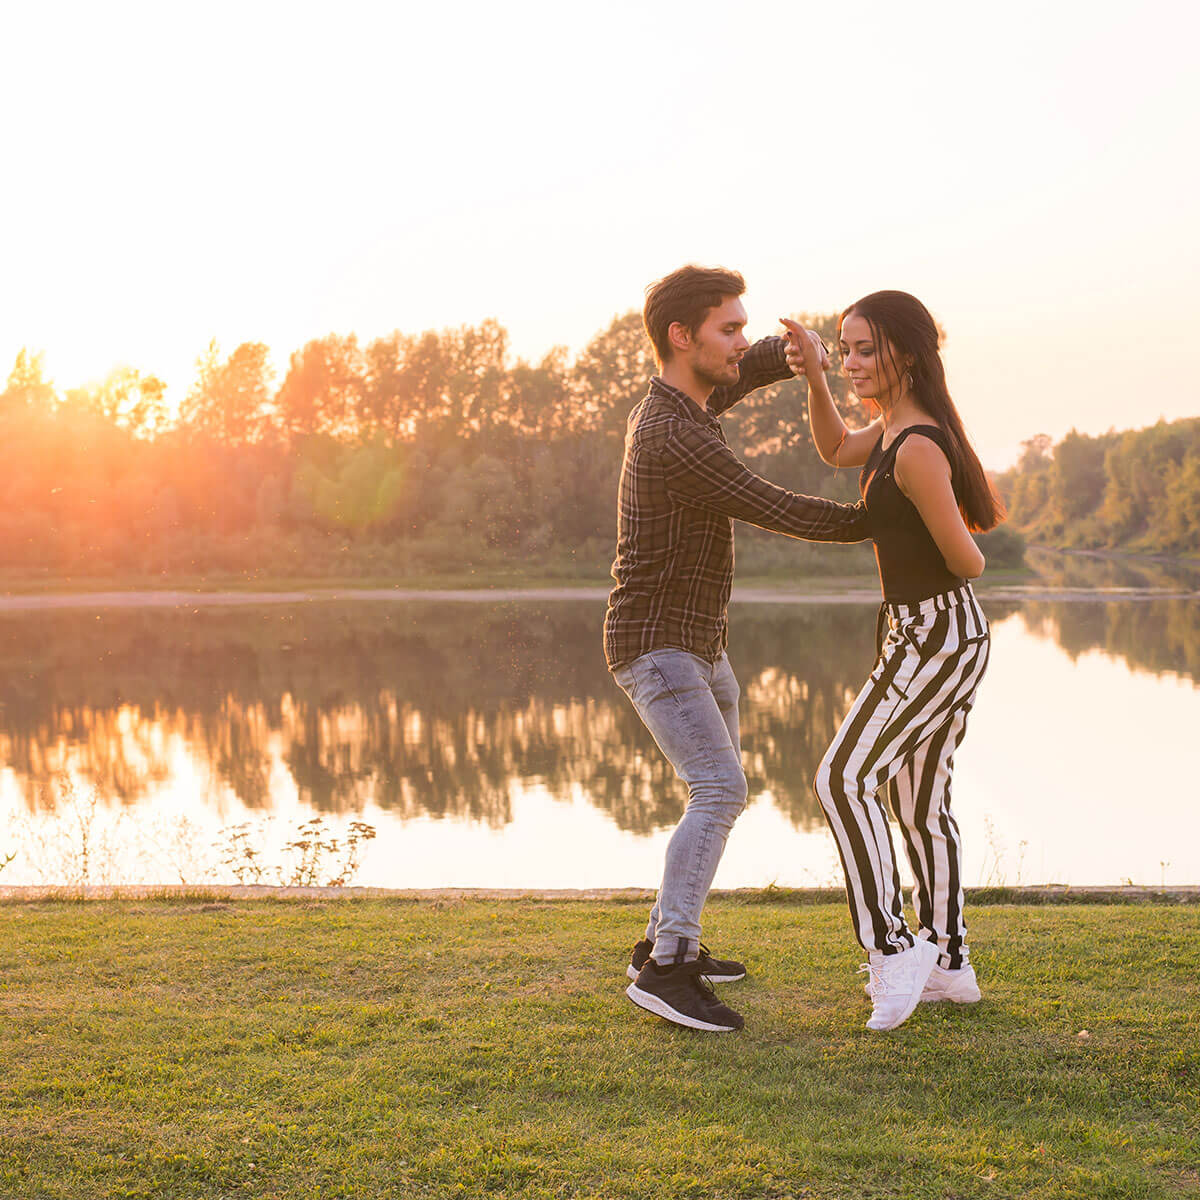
<point x="681" y="486"/>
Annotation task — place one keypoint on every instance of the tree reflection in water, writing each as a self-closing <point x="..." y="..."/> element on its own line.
<point x="1154" y="635"/>
<point x="438" y="710"/>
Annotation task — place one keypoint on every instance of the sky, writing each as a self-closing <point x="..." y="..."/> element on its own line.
<point x="178" y="173"/>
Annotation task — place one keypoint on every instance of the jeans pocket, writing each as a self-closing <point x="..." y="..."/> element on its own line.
<point x="643" y="681"/>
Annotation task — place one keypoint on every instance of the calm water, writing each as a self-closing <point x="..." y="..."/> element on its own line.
<point x="487" y="745"/>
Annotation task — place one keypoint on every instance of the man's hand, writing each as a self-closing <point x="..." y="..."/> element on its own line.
<point x="805" y="351"/>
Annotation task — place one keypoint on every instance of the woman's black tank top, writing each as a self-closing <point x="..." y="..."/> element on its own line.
<point x="911" y="567"/>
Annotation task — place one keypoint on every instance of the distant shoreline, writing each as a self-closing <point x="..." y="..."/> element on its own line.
<point x="849" y="594"/>
<point x="23" y="590"/>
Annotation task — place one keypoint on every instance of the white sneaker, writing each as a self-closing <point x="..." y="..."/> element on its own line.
<point x="897" y="981"/>
<point x="959" y="987"/>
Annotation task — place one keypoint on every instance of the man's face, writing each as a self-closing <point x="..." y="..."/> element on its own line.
<point x="717" y="346"/>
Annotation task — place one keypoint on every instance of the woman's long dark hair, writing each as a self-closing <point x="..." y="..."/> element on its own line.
<point x="902" y="322"/>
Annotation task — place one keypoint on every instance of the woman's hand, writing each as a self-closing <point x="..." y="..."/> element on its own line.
<point x="837" y="445"/>
<point x="806" y="353"/>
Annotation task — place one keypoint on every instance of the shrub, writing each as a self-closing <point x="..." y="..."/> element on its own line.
<point x="1003" y="546"/>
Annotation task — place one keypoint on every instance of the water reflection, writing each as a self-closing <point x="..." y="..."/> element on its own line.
<point x="421" y="710"/>
<point x="1083" y="569"/>
<point x="437" y="710"/>
<point x="1160" y="636"/>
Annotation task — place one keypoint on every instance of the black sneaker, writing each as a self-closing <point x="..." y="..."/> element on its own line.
<point x="679" y="993"/>
<point x="715" y="970"/>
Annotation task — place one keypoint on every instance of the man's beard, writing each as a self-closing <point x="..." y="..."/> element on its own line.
<point x="732" y="373"/>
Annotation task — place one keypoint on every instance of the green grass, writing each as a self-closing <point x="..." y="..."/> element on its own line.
<point x="363" y="1048"/>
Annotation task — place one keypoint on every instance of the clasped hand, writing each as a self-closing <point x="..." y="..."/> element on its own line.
<point x="805" y="350"/>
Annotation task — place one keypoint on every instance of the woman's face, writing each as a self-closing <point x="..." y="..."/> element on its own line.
<point x="873" y="368"/>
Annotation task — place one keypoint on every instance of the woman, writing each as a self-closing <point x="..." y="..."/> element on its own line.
<point x="925" y="491"/>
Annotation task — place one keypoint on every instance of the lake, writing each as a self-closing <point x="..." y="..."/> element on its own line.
<point x="484" y="744"/>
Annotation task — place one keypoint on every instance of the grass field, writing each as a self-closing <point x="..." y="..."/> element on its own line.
<point x="371" y="1048"/>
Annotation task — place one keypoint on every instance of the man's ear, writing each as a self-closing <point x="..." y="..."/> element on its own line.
<point x="679" y="336"/>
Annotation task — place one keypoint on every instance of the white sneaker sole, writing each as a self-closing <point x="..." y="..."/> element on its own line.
<point x="631" y="972"/>
<point x="973" y="996"/>
<point x="927" y="997"/>
<point x="660" y="1008"/>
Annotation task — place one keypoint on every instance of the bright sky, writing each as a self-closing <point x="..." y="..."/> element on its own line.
<point x="275" y="172"/>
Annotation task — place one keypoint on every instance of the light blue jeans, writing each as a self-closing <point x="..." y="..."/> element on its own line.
<point x="690" y="707"/>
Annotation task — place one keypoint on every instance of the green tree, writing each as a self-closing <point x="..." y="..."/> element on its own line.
<point x="538" y="402"/>
<point x="125" y="398"/>
<point x="1026" y="489"/>
<point x="610" y="376"/>
<point x="1078" y="476"/>
<point x="324" y="390"/>
<point x="478" y="355"/>
<point x="360" y="490"/>
<point x="389" y="389"/>
<point x="27" y="385"/>
<point x="1139" y="466"/>
<point x="230" y="401"/>
<point x="482" y="499"/>
<point x="1181" y="528"/>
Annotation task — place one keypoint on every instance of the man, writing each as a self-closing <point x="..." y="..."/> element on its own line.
<point x="665" y="630"/>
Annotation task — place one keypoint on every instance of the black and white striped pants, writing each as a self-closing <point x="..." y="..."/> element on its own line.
<point x="900" y="737"/>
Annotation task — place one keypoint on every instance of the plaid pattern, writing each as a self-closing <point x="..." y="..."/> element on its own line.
<point x="681" y="486"/>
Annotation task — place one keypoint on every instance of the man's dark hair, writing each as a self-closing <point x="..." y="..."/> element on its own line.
<point x="686" y="296"/>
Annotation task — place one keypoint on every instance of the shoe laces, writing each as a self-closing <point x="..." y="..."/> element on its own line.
<point x="706" y="989"/>
<point x="876" y="980"/>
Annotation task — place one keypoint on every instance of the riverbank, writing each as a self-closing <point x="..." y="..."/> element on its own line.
<point x="201" y="1048"/>
<point x="1047" y="580"/>
<point x="483" y="585"/>
<point x="1047" y="572"/>
<point x="753" y="592"/>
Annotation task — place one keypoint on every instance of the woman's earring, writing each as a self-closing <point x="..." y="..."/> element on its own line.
<point x="908" y="379"/>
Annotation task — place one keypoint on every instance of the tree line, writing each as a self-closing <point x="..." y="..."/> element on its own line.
<point x="439" y="453"/>
<point x="1136" y="490"/>
<point x="408" y="454"/>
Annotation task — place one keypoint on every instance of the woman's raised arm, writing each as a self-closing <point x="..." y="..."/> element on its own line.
<point x="836" y="442"/>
